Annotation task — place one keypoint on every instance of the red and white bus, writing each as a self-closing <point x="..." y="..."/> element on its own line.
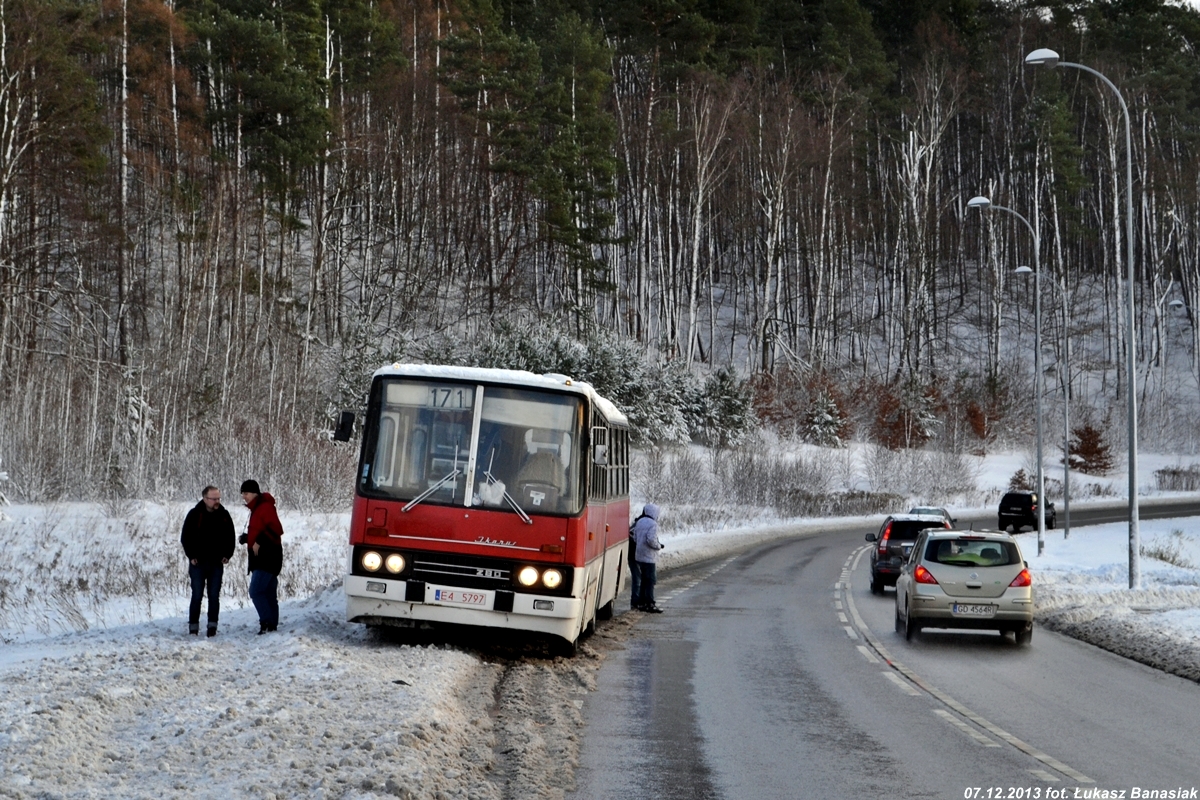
<point x="488" y="497"/>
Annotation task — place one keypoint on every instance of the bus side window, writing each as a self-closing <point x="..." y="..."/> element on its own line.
<point x="623" y="463"/>
<point x="385" y="450"/>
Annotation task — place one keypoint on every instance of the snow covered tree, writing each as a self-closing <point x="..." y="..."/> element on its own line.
<point x="825" y="424"/>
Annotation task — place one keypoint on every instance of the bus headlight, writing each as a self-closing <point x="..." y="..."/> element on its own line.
<point x="394" y="563"/>
<point x="528" y="576"/>
<point x="372" y="561"/>
<point x="552" y="578"/>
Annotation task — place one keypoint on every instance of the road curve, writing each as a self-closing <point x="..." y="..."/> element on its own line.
<point x="776" y="673"/>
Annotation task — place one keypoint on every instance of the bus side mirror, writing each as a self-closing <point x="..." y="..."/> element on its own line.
<point x="600" y="455"/>
<point x="345" y="427"/>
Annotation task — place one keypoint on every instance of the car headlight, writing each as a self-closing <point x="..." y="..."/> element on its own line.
<point x="372" y="561"/>
<point x="528" y="576"/>
<point x="394" y="563"/>
<point x="552" y="578"/>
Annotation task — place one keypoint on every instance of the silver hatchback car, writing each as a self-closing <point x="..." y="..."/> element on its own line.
<point x="961" y="579"/>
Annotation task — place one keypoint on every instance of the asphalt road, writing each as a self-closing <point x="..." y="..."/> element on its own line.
<point x="777" y="674"/>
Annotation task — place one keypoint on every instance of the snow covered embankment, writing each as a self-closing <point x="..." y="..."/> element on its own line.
<point x="323" y="711"/>
<point x="125" y="704"/>
<point x="1083" y="592"/>
<point x="316" y="713"/>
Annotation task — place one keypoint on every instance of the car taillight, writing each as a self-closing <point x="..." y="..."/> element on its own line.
<point x="923" y="575"/>
<point x="883" y="540"/>
<point x="1024" y="579"/>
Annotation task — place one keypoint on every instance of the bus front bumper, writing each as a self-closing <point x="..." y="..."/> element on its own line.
<point x="381" y="599"/>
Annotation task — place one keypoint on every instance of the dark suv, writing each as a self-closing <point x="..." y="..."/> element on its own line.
<point x="893" y="542"/>
<point x="1020" y="508"/>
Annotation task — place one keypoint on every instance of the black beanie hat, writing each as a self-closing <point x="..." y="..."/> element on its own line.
<point x="250" y="486"/>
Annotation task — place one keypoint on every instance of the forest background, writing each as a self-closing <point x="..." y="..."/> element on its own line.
<point x="218" y="217"/>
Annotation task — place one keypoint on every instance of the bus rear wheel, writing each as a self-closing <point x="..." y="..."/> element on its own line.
<point x="605" y="611"/>
<point x="564" y="648"/>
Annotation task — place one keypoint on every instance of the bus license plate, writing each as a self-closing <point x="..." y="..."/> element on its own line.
<point x="457" y="597"/>
<point x="969" y="610"/>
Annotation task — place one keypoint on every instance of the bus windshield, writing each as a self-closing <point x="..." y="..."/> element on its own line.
<point x="526" y="447"/>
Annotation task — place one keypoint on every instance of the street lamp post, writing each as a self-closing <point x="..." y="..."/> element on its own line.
<point x="984" y="204"/>
<point x="1066" y="384"/>
<point x="1049" y="58"/>
<point x="1065" y="374"/>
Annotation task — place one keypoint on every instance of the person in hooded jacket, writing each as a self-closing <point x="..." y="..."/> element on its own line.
<point x="645" y="532"/>
<point x="264" y="550"/>
<point x="208" y="543"/>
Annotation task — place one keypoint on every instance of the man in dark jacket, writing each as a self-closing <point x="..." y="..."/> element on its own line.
<point x="208" y="542"/>
<point x="264" y="549"/>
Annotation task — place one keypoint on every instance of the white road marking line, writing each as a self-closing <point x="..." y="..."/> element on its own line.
<point x="965" y="728"/>
<point x="850" y="632"/>
<point x="867" y="654"/>
<point x="837" y="604"/>
<point x="842" y="617"/>
<point x="904" y="685"/>
<point x="680" y="590"/>
<point x="1046" y="776"/>
<point x="995" y="730"/>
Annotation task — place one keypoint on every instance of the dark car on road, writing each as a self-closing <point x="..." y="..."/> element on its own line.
<point x="1020" y="508"/>
<point x="893" y="543"/>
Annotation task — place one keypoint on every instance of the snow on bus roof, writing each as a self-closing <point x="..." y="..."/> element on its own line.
<point x="518" y="377"/>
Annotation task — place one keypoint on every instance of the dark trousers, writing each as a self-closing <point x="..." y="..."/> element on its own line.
<point x="635" y="576"/>
<point x="649" y="578"/>
<point x="263" y="588"/>
<point x="202" y="574"/>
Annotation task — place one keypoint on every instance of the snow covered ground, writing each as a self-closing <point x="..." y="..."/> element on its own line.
<point x="1083" y="590"/>
<point x="103" y="695"/>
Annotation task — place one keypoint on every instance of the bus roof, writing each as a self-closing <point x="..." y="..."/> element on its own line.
<point x="510" y="377"/>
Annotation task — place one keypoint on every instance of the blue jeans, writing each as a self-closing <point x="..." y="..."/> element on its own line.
<point x="202" y="574"/>
<point x="649" y="578"/>
<point x="263" y="588"/>
<point x="635" y="577"/>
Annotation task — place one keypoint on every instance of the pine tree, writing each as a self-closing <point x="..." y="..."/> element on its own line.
<point x="263" y="65"/>
<point x="1089" y="452"/>
<point x="825" y="423"/>
<point x="577" y="177"/>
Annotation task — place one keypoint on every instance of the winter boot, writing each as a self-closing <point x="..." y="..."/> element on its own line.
<point x="212" y="631"/>
<point x="193" y="628"/>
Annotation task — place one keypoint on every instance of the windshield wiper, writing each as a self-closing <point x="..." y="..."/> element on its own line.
<point x="487" y="473"/>
<point x="454" y="473"/>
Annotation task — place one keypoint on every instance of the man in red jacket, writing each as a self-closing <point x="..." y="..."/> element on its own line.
<point x="264" y="550"/>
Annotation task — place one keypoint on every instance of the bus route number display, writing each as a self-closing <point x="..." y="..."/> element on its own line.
<point x="445" y="397"/>
<point x="442" y="397"/>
